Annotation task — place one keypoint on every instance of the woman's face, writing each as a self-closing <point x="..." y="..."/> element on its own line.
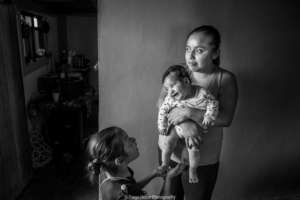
<point x="200" y="52"/>
<point x="130" y="147"/>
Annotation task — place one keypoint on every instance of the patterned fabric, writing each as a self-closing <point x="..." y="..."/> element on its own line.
<point x="41" y="151"/>
<point x="203" y="100"/>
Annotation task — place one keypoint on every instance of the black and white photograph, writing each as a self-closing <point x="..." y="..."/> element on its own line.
<point x="149" y="100"/>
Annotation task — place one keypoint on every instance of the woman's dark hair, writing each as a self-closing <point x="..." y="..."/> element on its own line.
<point x="103" y="148"/>
<point x="180" y="72"/>
<point x="212" y="32"/>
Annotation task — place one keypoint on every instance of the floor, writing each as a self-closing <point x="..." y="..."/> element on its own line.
<point x="65" y="177"/>
<point x="64" y="181"/>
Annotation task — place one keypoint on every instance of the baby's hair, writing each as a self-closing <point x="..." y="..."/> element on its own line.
<point x="103" y="148"/>
<point x="212" y="32"/>
<point x="179" y="71"/>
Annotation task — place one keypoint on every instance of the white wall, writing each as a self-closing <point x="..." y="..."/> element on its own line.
<point x="138" y="40"/>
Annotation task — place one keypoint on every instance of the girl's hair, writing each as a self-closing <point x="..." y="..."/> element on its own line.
<point x="180" y="72"/>
<point x="103" y="148"/>
<point x="212" y="32"/>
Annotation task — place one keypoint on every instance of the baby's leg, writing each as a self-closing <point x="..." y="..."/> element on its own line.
<point x="189" y="129"/>
<point x="191" y="132"/>
<point x="167" y="146"/>
<point x="194" y="159"/>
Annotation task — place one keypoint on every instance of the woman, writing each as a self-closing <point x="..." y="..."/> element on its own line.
<point x="202" y="56"/>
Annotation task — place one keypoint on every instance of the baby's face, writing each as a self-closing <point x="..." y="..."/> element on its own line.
<point x="175" y="87"/>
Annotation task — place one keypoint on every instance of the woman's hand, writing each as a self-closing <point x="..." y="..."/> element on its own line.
<point x="179" y="115"/>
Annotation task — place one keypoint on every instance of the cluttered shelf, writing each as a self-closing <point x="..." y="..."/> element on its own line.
<point x="61" y="116"/>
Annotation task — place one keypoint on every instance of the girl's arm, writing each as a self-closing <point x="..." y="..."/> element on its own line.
<point x="142" y="183"/>
<point x="158" y="172"/>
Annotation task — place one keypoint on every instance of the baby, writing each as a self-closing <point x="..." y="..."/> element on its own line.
<point x="181" y="93"/>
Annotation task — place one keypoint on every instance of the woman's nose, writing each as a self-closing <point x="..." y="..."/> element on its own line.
<point x="192" y="54"/>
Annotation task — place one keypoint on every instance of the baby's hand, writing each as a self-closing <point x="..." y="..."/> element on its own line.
<point x="206" y="122"/>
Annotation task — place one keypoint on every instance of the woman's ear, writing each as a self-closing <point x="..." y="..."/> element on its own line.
<point x="216" y="54"/>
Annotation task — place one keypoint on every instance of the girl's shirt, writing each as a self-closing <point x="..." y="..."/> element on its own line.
<point x="116" y="188"/>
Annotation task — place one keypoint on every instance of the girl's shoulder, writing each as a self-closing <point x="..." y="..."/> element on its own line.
<point x="111" y="190"/>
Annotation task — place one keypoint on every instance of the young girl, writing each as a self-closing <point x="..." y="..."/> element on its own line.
<point x="110" y="151"/>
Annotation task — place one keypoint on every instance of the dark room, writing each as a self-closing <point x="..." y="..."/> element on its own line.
<point x="100" y="100"/>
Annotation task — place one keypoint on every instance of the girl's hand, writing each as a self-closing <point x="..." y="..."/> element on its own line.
<point x="179" y="115"/>
<point x="161" y="171"/>
<point x="176" y="170"/>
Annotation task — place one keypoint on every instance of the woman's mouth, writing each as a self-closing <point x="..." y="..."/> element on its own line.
<point x="192" y="63"/>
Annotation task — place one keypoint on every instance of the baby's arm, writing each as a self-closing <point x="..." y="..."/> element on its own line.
<point x="162" y="96"/>
<point x="164" y="109"/>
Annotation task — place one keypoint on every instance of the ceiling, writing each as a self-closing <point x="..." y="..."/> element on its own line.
<point x="67" y="6"/>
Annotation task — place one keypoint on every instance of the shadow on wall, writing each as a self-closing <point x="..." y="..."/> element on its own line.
<point x="278" y="178"/>
<point x="262" y="150"/>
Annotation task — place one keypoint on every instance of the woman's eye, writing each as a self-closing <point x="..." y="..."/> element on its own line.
<point x="187" y="49"/>
<point x="199" y="50"/>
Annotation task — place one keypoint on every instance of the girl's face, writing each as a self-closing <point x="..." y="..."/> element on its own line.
<point x="130" y="147"/>
<point x="200" y="52"/>
<point x="175" y="87"/>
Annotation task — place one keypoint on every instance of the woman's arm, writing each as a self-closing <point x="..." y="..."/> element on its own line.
<point x="227" y="100"/>
<point x="227" y="105"/>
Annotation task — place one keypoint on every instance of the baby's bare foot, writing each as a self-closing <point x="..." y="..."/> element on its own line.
<point x="193" y="177"/>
